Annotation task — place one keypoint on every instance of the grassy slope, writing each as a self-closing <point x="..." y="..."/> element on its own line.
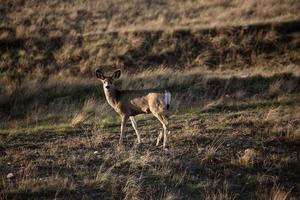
<point x="206" y="156"/>
<point x="256" y="46"/>
<point x="214" y="123"/>
<point x="42" y="38"/>
<point x="56" y="18"/>
<point x="235" y="99"/>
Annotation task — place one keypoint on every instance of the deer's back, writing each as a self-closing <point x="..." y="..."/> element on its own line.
<point x="133" y="102"/>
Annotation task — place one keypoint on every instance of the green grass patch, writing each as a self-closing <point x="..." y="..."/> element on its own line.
<point x="47" y="128"/>
<point x="110" y="122"/>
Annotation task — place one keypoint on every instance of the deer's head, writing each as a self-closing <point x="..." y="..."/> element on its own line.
<point x="108" y="81"/>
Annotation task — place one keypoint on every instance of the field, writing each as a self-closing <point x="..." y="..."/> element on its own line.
<point x="233" y="69"/>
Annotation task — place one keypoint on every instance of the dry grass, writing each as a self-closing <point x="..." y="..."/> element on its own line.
<point x="72" y="39"/>
<point x="219" y="193"/>
<point x="85" y="162"/>
<point x="248" y="158"/>
<point x="211" y="150"/>
<point x="88" y="163"/>
<point x="89" y="17"/>
<point x="82" y="101"/>
<point x="88" y="109"/>
<point x="234" y="117"/>
<point x="276" y="193"/>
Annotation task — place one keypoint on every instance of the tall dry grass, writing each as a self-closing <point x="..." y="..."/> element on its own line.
<point x="56" y="18"/>
<point x="80" y="99"/>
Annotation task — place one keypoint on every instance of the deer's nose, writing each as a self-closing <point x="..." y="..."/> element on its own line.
<point x="107" y="87"/>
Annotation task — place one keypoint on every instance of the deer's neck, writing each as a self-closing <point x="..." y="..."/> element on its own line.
<point x="112" y="96"/>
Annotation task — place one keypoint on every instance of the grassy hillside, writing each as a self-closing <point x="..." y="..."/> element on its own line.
<point x="259" y="47"/>
<point x="39" y="39"/>
<point x="233" y="68"/>
<point x="233" y="135"/>
<point x="56" y="18"/>
<point x="231" y="150"/>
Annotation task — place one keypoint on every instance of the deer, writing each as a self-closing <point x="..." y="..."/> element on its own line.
<point x="129" y="103"/>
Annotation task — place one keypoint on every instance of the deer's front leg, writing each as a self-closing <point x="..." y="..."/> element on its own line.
<point x="123" y="125"/>
<point x="134" y="125"/>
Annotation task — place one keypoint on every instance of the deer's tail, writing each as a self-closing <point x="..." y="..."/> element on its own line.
<point x="167" y="99"/>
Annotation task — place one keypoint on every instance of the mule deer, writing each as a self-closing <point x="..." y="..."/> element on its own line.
<point x="129" y="103"/>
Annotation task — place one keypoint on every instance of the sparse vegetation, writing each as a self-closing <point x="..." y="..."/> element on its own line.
<point x="232" y="68"/>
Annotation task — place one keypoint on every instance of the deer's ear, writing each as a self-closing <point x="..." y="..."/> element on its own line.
<point x="116" y="74"/>
<point x="99" y="74"/>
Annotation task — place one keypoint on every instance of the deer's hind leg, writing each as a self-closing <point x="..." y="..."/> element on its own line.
<point x="159" y="138"/>
<point x="164" y="123"/>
